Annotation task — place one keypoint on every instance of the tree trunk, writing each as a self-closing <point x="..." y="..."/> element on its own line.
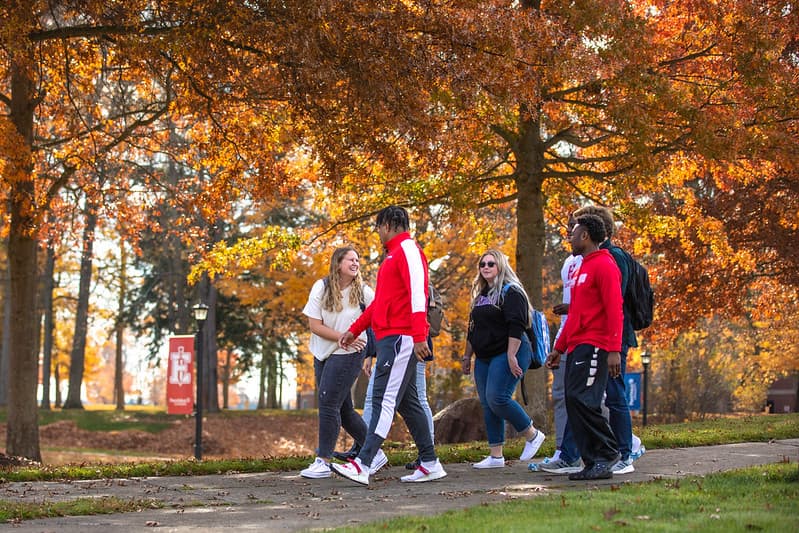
<point x="531" y="242"/>
<point x="271" y="381"/>
<point x="226" y="380"/>
<point x="47" y="308"/>
<point x="281" y="375"/>
<point x="119" y="363"/>
<point x="57" y="384"/>
<point x="208" y="294"/>
<point x="22" y="429"/>
<point x="78" y="356"/>
<point x="5" y="347"/>
<point x="262" y="376"/>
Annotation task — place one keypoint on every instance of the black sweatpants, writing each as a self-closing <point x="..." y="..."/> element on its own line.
<point x="586" y="379"/>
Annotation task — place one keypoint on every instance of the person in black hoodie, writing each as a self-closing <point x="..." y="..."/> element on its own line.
<point x="497" y="337"/>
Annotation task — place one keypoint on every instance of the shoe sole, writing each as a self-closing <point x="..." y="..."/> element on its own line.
<point x="432" y="476"/>
<point x="592" y="478"/>
<point x="488" y="466"/>
<point x="315" y="475"/>
<point x="567" y="470"/>
<point x="347" y="476"/>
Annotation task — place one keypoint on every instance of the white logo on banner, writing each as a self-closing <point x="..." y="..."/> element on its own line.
<point x="179" y="374"/>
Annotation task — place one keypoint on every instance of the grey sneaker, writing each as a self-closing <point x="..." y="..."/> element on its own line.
<point x="561" y="467"/>
<point x="536" y="467"/>
<point x="623" y="466"/>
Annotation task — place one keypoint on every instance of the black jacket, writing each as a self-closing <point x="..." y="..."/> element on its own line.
<point x="491" y="325"/>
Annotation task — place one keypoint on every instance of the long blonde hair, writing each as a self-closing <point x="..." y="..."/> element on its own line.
<point x="505" y="276"/>
<point x="331" y="299"/>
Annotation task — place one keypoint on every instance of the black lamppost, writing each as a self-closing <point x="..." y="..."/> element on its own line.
<point x="646" y="358"/>
<point x="200" y="314"/>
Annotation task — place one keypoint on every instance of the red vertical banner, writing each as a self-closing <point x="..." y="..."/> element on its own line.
<point x="180" y="375"/>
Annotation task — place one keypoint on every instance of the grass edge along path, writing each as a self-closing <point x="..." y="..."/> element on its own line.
<point x="760" y="498"/>
<point x="15" y="512"/>
<point x="721" y="430"/>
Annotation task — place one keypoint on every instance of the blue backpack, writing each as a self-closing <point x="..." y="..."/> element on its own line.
<point x="538" y="332"/>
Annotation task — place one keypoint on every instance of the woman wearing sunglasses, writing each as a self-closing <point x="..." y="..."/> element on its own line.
<point x="498" y="320"/>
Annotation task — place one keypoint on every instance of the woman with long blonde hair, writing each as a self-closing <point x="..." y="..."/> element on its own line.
<point x="498" y="322"/>
<point x="333" y="305"/>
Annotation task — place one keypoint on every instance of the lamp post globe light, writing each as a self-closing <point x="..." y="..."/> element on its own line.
<point x="200" y="314"/>
<point x="646" y="358"/>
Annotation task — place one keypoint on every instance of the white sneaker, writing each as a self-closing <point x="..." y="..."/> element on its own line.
<point x="380" y="460"/>
<point x="623" y="466"/>
<point x="490" y="462"/>
<point x="317" y="470"/>
<point x="422" y="474"/>
<point x="353" y="470"/>
<point x="531" y="446"/>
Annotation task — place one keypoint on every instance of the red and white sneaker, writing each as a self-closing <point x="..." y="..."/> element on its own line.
<point x="422" y="474"/>
<point x="353" y="470"/>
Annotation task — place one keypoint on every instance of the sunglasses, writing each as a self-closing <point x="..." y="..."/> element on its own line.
<point x="489" y="264"/>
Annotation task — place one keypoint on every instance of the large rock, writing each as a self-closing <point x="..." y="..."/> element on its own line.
<point x="461" y="421"/>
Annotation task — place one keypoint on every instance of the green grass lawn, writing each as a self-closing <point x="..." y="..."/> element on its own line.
<point x="759" y="498"/>
<point x="763" y="498"/>
<point x="722" y="430"/>
<point x="106" y="418"/>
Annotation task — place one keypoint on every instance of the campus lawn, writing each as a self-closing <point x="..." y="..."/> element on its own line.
<point x="721" y="430"/>
<point x="763" y="498"/>
<point x="760" y="498"/>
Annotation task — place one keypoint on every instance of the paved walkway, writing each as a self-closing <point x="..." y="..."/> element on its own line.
<point x="287" y="502"/>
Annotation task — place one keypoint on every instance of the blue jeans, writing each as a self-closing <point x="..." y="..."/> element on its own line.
<point x="559" y="401"/>
<point x="334" y="378"/>
<point x="618" y="417"/>
<point x="495" y="387"/>
<point x="421" y="387"/>
<point x="619" y="411"/>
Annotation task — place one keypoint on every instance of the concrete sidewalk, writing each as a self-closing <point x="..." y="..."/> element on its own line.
<point x="287" y="502"/>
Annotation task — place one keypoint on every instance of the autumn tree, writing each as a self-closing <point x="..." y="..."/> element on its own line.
<point x="563" y="103"/>
<point x="458" y="103"/>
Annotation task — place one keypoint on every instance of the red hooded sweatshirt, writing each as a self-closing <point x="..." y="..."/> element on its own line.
<point x="400" y="304"/>
<point x="595" y="312"/>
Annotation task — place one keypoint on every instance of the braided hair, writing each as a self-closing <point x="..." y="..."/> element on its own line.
<point x="395" y="216"/>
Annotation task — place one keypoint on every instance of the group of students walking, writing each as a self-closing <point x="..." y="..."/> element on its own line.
<point x="588" y="359"/>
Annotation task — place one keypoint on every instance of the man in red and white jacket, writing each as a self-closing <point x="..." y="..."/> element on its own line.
<point x="592" y="339"/>
<point x="398" y="317"/>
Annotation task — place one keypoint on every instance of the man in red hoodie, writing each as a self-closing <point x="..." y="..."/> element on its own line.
<point x="592" y="339"/>
<point x="398" y="317"/>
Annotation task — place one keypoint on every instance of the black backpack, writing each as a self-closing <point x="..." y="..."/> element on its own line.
<point x="639" y="299"/>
